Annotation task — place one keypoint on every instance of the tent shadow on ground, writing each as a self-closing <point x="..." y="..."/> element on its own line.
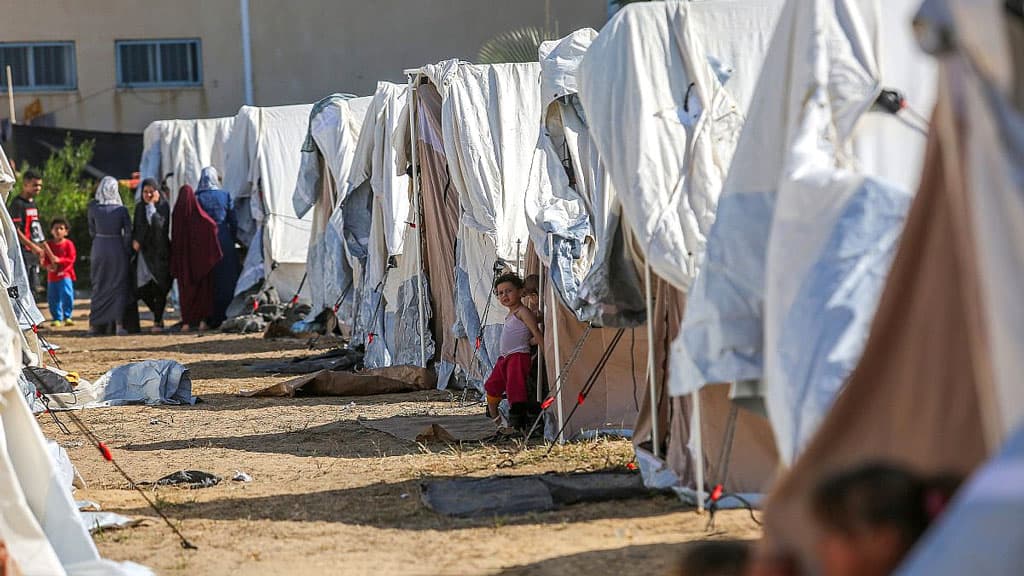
<point x="220" y="402"/>
<point x="238" y="344"/>
<point x="382" y="505"/>
<point x="655" y="559"/>
<point x="340" y="439"/>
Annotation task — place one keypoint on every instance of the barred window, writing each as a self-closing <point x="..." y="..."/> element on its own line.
<point x="157" y="63"/>
<point x="37" y="66"/>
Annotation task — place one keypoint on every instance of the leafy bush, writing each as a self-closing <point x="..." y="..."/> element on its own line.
<point x="66" y="194"/>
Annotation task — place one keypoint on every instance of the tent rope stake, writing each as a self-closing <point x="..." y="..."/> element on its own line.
<point x="108" y="455"/>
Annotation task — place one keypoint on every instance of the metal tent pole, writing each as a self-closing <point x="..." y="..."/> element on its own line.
<point x="558" y="355"/>
<point x="651" y="377"/>
<point x="696" y="429"/>
<point x="411" y="103"/>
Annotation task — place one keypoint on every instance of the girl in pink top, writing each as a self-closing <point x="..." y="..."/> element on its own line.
<point x="520" y="332"/>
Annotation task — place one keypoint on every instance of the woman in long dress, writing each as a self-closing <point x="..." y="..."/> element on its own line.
<point x="217" y="203"/>
<point x="151" y="241"/>
<point x="111" y="230"/>
<point x="195" y="252"/>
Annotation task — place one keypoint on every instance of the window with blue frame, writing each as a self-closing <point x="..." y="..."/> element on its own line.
<point x="159" y="63"/>
<point x="38" y="66"/>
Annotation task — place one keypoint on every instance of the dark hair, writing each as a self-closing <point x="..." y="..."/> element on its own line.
<point x="151" y="183"/>
<point x="30" y="175"/>
<point x="511" y="278"/>
<point x="60" y="221"/>
<point x="878" y="494"/>
<point x="532" y="280"/>
<point x="715" y="558"/>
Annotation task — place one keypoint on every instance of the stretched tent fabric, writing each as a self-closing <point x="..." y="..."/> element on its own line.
<point x="931" y="353"/>
<point x="21" y="312"/>
<point x="668" y="147"/>
<point x="327" y="157"/>
<point x="390" y="306"/>
<point x="807" y="229"/>
<point x="183" y="148"/>
<point x="261" y="169"/>
<point x="39" y="522"/>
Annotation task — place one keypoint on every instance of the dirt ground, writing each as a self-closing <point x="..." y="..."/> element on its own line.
<point x="331" y="496"/>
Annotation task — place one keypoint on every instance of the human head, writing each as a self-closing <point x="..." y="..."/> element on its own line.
<point x="715" y="558"/>
<point x="531" y="285"/>
<point x="509" y="290"/>
<point x="209" y="179"/>
<point x="59" y="228"/>
<point x="31" y="184"/>
<point x="107" y="192"/>
<point x="872" y="515"/>
<point x="150" y="191"/>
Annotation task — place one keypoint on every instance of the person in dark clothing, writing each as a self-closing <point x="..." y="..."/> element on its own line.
<point x="217" y="203"/>
<point x="25" y="215"/>
<point x="151" y="241"/>
<point x="195" y="252"/>
<point x="110" y="227"/>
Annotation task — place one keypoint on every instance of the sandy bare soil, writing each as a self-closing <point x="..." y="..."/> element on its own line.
<point x="331" y="496"/>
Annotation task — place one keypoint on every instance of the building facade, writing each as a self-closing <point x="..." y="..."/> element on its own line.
<point x="117" y="65"/>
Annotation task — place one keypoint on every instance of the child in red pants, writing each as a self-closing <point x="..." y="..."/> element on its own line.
<point x="520" y="331"/>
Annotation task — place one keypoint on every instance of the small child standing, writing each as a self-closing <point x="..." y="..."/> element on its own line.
<point x="60" y="255"/>
<point x="512" y="369"/>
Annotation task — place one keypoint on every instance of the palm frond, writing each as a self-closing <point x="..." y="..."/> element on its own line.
<point x="518" y="45"/>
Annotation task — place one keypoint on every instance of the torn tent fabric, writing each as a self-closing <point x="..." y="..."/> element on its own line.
<point x="809" y="218"/>
<point x="387" y="292"/>
<point x="327" y="155"/>
<point x="180" y="149"/>
<point x="261" y="170"/>
<point x="668" y="147"/>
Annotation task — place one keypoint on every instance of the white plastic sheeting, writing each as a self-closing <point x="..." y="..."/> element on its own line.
<point x="21" y="313"/>
<point x="811" y="213"/>
<point x="260" y="172"/>
<point x="334" y="128"/>
<point x="490" y="117"/>
<point x="39" y="522"/>
<point x="668" y="146"/>
<point x="183" y="148"/>
<point x="389" y="306"/>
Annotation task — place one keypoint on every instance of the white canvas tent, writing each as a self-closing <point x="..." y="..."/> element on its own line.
<point x="182" y="148"/>
<point x="261" y="168"/>
<point x="665" y="89"/>
<point x="810" y="215"/>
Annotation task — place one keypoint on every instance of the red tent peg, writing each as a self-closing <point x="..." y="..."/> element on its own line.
<point x="255" y="305"/>
<point x="581" y="399"/>
<point x="105" y="451"/>
<point x="477" y="342"/>
<point x="717" y="492"/>
<point x="631" y="466"/>
<point x="547" y="403"/>
<point x="369" y="338"/>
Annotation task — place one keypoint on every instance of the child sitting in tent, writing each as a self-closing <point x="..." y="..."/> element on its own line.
<point x="871" y="516"/>
<point x="531" y="294"/>
<point x="512" y="369"/>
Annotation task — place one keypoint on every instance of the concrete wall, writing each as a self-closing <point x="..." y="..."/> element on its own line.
<point x="302" y="49"/>
<point x="326" y="47"/>
<point x="94" y="26"/>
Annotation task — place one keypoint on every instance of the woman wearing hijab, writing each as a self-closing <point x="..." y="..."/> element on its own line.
<point x="151" y="241"/>
<point x="217" y="203"/>
<point x="194" y="254"/>
<point x="110" y="228"/>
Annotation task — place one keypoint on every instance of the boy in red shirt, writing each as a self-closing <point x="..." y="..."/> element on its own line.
<point x="60" y="255"/>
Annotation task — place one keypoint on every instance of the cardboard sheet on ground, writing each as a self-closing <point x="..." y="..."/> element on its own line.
<point x="511" y="495"/>
<point x="461" y="428"/>
<point x="389" y="380"/>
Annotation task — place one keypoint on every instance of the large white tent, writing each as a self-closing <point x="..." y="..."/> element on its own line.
<point x="261" y="168"/>
<point x="810" y="216"/>
<point x="180" y="149"/>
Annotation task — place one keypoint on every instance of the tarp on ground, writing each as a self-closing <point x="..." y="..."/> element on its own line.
<point x="388" y="380"/>
<point x="261" y="169"/>
<point x="389" y="276"/>
<point x="39" y="522"/>
<point x="929" y="392"/>
<point x="182" y="148"/>
<point x="327" y="156"/>
<point x="809" y="218"/>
